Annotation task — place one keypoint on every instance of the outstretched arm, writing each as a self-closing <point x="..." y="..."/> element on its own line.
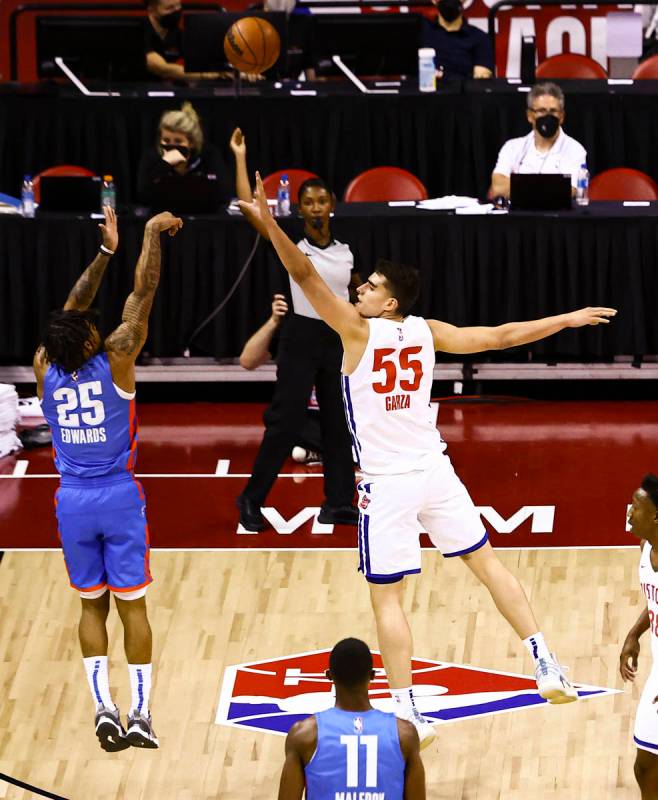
<point x="451" y="339"/>
<point x="128" y="339"/>
<point x="82" y="294"/>
<point x="335" y="311"/>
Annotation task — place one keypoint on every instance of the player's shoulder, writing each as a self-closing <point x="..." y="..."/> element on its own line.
<point x="304" y="732"/>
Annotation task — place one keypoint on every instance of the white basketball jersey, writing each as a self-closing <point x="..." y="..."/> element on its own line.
<point x="387" y="399"/>
<point x="649" y="584"/>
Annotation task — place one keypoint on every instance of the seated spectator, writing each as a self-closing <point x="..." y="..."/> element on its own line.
<point x="180" y="150"/>
<point x="462" y="50"/>
<point x="164" y="43"/>
<point x="546" y="149"/>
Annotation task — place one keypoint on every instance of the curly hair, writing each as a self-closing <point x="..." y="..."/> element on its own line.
<point x="66" y="336"/>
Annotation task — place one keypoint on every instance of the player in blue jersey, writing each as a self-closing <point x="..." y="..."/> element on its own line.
<point x="87" y="391"/>
<point x="352" y="751"/>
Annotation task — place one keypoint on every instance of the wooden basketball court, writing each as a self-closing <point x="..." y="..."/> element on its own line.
<point x="212" y="609"/>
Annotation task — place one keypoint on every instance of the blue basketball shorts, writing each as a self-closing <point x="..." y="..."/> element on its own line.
<point x="104" y="533"/>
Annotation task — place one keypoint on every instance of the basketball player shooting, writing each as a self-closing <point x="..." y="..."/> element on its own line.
<point x="87" y="392"/>
<point x="408" y="481"/>
<point x="643" y="521"/>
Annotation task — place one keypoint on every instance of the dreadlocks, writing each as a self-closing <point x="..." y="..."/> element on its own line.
<point x="65" y="338"/>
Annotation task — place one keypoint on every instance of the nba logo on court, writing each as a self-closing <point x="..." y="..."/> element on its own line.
<point x="272" y="695"/>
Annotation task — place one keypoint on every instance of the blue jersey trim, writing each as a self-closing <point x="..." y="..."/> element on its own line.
<point x="477" y="546"/>
<point x="647" y="745"/>
<point x="393" y="578"/>
<point x="349" y="413"/>
<point x="366" y="540"/>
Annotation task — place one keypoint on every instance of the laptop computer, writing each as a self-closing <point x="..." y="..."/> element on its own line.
<point x="77" y="193"/>
<point x="540" y="192"/>
<point x="186" y="194"/>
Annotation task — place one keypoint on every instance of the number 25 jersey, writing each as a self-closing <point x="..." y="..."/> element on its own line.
<point x="387" y="399"/>
<point x="93" y="422"/>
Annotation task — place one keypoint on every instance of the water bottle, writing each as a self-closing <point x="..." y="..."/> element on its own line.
<point x="283" y="198"/>
<point x="426" y="69"/>
<point x="27" y="197"/>
<point x="582" y="186"/>
<point x="108" y="193"/>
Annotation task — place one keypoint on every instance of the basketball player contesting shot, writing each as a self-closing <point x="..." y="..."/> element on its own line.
<point x="87" y="391"/>
<point x="643" y="521"/>
<point x="408" y="481"/>
<point x="352" y="750"/>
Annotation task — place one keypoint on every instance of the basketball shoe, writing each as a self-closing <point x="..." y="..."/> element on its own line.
<point x="426" y="732"/>
<point x="109" y="730"/>
<point x="140" y="730"/>
<point x="552" y="683"/>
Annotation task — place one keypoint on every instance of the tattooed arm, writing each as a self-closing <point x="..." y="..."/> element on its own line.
<point x="124" y="344"/>
<point x="82" y="294"/>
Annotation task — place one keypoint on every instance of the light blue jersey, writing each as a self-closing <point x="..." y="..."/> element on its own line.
<point x="358" y="757"/>
<point x="93" y="422"/>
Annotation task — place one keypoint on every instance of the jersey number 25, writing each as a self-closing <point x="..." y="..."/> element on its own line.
<point x="93" y="411"/>
<point x="383" y="361"/>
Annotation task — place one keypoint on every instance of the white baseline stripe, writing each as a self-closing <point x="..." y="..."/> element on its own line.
<point x="308" y="549"/>
<point x="185" y="475"/>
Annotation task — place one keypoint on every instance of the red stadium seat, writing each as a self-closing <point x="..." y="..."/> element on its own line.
<point x="570" y="65"/>
<point x="295" y="179"/>
<point x="646" y="70"/>
<point x="60" y="169"/>
<point x="623" y="183"/>
<point x="384" y="183"/>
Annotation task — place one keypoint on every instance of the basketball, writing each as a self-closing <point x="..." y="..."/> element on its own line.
<point x="252" y="45"/>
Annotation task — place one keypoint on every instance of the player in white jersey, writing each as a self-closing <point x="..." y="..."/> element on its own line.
<point x="408" y="482"/>
<point x="643" y="521"/>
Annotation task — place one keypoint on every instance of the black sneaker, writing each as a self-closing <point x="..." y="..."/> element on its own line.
<point x="338" y="515"/>
<point x="251" y="518"/>
<point x="109" y="730"/>
<point x="140" y="731"/>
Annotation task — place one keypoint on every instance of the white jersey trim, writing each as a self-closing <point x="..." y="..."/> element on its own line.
<point x="123" y="394"/>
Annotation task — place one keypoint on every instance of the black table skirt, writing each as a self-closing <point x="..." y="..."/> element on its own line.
<point x="474" y="270"/>
<point x="450" y="140"/>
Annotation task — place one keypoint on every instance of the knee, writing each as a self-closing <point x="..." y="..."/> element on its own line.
<point x="98" y="607"/>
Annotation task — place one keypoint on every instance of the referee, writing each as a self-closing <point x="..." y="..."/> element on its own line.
<point x="310" y="354"/>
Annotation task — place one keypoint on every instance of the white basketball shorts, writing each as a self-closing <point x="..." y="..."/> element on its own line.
<point x="395" y="509"/>
<point x="645" y="734"/>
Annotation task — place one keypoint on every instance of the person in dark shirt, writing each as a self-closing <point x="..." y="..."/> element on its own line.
<point x="164" y="43"/>
<point x="462" y="50"/>
<point x="181" y="150"/>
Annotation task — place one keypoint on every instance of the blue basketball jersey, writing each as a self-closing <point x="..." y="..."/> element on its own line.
<point x="358" y="757"/>
<point x="93" y="422"/>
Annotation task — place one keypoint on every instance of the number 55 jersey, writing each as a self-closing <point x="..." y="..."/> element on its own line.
<point x="387" y="399"/>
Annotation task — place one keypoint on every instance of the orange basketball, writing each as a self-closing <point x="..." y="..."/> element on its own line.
<point x="252" y="45"/>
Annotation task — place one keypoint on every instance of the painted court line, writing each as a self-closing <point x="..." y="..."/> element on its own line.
<point x="20" y="468"/>
<point x="304" y="475"/>
<point x="428" y="549"/>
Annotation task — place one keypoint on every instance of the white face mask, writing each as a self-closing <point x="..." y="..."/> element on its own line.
<point x="281" y="5"/>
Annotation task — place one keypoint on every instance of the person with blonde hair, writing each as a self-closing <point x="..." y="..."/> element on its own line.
<point x="181" y="149"/>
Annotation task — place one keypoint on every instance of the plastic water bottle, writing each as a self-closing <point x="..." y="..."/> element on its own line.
<point x="283" y="198"/>
<point x="108" y="193"/>
<point x="426" y="69"/>
<point x="582" y="186"/>
<point x="27" y="197"/>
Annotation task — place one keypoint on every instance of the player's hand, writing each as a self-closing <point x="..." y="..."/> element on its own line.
<point x="628" y="658"/>
<point x="238" y="143"/>
<point x="279" y="308"/>
<point x="165" y="222"/>
<point x="590" y="316"/>
<point x="109" y="229"/>
<point x="257" y="210"/>
<point x="173" y="157"/>
<point x="251" y="77"/>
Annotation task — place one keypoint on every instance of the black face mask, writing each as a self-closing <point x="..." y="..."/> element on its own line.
<point x="184" y="151"/>
<point x="547" y="126"/>
<point x="450" y="9"/>
<point x="170" y="21"/>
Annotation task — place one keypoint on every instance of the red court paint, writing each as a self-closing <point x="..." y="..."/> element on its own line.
<point x="545" y="474"/>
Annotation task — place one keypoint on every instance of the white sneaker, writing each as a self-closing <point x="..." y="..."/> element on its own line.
<point x="426" y="732"/>
<point x="303" y="456"/>
<point x="552" y="683"/>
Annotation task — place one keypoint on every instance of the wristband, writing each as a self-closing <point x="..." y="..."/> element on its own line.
<point x="106" y="250"/>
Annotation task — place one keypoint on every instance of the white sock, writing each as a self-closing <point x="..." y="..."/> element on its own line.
<point x="99" y="680"/>
<point x="537" y="647"/>
<point x="140" y="686"/>
<point x="404" y="700"/>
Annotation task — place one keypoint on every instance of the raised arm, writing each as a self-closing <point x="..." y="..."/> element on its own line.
<point x="124" y="344"/>
<point x="242" y="185"/>
<point x="257" y="348"/>
<point x="82" y="294"/>
<point x="335" y="311"/>
<point x="451" y="339"/>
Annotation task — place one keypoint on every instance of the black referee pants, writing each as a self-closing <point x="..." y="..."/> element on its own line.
<point x="310" y="353"/>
